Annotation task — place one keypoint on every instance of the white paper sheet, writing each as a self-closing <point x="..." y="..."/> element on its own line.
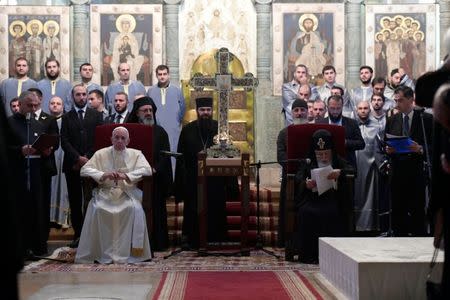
<point x="320" y="176"/>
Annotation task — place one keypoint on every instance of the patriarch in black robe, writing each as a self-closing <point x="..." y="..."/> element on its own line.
<point x="320" y="215"/>
<point x="144" y="112"/>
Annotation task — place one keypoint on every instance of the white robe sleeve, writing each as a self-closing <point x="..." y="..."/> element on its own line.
<point x="142" y="168"/>
<point x="91" y="169"/>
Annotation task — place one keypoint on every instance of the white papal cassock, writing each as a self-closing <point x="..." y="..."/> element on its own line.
<point x="114" y="229"/>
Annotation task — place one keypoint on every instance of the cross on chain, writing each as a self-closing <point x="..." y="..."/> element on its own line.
<point x="223" y="83"/>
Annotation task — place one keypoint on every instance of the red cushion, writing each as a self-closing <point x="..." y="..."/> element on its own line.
<point x="299" y="140"/>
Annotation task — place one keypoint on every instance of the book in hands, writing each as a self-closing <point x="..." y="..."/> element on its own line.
<point x="401" y="144"/>
<point x="45" y="141"/>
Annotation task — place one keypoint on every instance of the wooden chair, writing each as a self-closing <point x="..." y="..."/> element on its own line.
<point x="141" y="138"/>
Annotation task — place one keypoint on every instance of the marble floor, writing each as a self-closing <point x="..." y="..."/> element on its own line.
<point x="74" y="285"/>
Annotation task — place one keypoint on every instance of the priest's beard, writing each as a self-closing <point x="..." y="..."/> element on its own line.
<point x="335" y="119"/>
<point x="205" y="125"/>
<point x="298" y="121"/>
<point x="147" y="121"/>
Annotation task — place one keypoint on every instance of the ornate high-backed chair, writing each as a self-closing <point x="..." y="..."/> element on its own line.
<point x="298" y="145"/>
<point x="141" y="138"/>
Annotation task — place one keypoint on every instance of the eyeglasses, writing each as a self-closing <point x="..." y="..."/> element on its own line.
<point x="146" y="110"/>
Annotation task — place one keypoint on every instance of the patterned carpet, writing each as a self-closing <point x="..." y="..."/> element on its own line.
<point x="183" y="261"/>
<point x="187" y="276"/>
<point x="261" y="285"/>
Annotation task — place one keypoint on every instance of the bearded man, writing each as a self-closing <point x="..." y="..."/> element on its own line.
<point x="144" y="112"/>
<point x="195" y="137"/>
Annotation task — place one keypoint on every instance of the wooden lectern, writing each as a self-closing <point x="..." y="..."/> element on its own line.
<point x="298" y="145"/>
<point x="222" y="167"/>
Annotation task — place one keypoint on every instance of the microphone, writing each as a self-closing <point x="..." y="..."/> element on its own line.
<point x="304" y="160"/>
<point x="168" y="153"/>
<point x="28" y="117"/>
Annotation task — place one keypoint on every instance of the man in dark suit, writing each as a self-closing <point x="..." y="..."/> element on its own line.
<point x="35" y="166"/>
<point x="77" y="140"/>
<point x="48" y="121"/>
<point x="408" y="178"/>
<point x="353" y="138"/>
<point x="121" y="109"/>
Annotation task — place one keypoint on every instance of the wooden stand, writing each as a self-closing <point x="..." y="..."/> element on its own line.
<point x="222" y="167"/>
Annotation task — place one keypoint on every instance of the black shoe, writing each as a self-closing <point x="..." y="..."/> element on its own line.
<point x="74" y="243"/>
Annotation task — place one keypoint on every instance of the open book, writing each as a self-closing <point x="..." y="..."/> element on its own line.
<point x="45" y="141"/>
<point x="400" y="143"/>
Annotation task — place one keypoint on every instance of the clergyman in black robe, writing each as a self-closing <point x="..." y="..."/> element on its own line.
<point x="320" y="215"/>
<point x="144" y="112"/>
<point x="195" y="137"/>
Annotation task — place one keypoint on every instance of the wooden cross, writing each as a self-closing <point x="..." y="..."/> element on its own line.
<point x="223" y="83"/>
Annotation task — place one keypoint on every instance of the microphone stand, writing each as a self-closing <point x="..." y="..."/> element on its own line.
<point x="385" y="169"/>
<point x="427" y="162"/>
<point x="184" y="245"/>
<point x="30" y="255"/>
<point x="259" y="243"/>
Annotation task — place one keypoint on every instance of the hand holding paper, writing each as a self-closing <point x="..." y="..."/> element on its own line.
<point x="320" y="176"/>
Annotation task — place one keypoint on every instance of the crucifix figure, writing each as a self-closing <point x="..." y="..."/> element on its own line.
<point x="223" y="83"/>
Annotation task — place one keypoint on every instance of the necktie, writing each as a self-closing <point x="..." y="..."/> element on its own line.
<point x="80" y="114"/>
<point x="118" y="118"/>
<point x="406" y="125"/>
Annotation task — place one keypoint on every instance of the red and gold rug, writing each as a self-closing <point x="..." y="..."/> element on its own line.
<point x="242" y="285"/>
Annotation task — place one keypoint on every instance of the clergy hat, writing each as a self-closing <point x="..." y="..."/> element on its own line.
<point x="299" y="103"/>
<point x="322" y="140"/>
<point x="143" y="101"/>
<point x="204" y="102"/>
<point x="139" y="103"/>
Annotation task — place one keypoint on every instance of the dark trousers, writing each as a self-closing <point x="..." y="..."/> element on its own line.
<point x="34" y="227"/>
<point x="408" y="198"/>
<point x="75" y="192"/>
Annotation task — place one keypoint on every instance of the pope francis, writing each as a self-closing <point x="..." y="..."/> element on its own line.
<point x="114" y="230"/>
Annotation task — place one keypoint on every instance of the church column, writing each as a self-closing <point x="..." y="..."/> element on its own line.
<point x="444" y="16"/>
<point x="267" y="107"/>
<point x="263" y="10"/>
<point x="80" y="35"/>
<point x="353" y="13"/>
<point x="171" y="8"/>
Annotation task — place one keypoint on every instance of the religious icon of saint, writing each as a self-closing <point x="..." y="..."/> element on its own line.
<point x="309" y="44"/>
<point x="126" y="47"/>
<point x="17" y="47"/>
<point x="35" y="48"/>
<point x="51" y="43"/>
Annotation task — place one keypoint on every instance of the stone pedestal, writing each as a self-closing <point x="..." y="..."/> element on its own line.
<point x="379" y="268"/>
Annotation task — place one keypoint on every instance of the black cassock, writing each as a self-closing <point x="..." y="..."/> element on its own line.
<point x="162" y="182"/>
<point x="319" y="216"/>
<point x="191" y="142"/>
